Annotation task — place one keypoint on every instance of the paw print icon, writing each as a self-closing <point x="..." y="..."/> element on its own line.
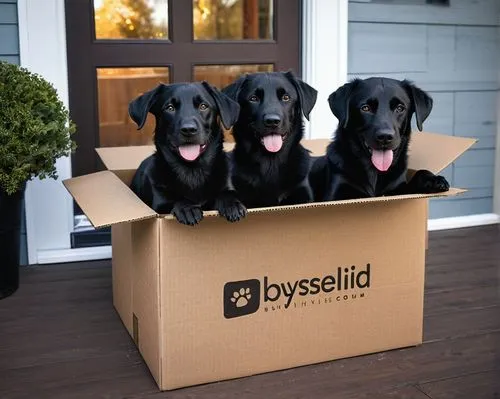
<point x="241" y="298"/>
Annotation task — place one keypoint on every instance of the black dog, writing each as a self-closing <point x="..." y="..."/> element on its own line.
<point x="368" y="156"/>
<point x="269" y="165"/>
<point x="189" y="171"/>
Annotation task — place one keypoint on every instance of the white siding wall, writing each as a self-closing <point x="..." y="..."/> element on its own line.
<point x="452" y="52"/>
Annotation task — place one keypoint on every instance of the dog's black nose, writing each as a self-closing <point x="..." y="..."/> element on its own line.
<point x="189" y="129"/>
<point x="271" y="120"/>
<point x="385" y="136"/>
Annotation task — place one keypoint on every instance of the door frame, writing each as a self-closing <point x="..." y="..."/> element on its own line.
<point x="42" y="40"/>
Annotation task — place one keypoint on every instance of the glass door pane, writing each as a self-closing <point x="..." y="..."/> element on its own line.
<point x="116" y="88"/>
<point x="222" y="75"/>
<point x="131" y="19"/>
<point x="233" y="20"/>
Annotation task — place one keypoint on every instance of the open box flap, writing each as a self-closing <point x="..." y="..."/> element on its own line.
<point x="106" y="200"/>
<point x="435" y="152"/>
<point x="124" y="158"/>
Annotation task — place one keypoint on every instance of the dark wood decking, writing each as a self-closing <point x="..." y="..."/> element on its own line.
<point x="60" y="338"/>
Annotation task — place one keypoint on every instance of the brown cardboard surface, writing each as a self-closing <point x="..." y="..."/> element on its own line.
<point x="147" y="254"/>
<point x="435" y="152"/>
<point x="106" y="200"/>
<point x="124" y="158"/>
<point x="201" y="345"/>
<point x="121" y="247"/>
<point x="450" y="193"/>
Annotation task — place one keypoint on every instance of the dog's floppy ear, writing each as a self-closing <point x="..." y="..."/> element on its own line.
<point x="421" y="101"/>
<point x="307" y="94"/>
<point x="339" y="101"/>
<point x="229" y="110"/>
<point x="233" y="90"/>
<point x="139" y="107"/>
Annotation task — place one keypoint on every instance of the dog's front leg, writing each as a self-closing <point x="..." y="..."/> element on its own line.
<point x="187" y="213"/>
<point x="229" y="206"/>
<point x="300" y="194"/>
<point x="425" y="182"/>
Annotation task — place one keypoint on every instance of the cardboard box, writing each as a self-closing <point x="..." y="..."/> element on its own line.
<point x="285" y="287"/>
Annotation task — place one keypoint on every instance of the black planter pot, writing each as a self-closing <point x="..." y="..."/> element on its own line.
<point x="10" y="232"/>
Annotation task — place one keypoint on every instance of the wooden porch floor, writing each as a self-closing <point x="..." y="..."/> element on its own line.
<point x="60" y="338"/>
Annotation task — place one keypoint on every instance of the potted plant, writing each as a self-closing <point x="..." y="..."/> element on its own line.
<point x="35" y="130"/>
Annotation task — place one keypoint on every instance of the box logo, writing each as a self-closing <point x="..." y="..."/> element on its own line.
<point x="241" y="298"/>
<point x="344" y="284"/>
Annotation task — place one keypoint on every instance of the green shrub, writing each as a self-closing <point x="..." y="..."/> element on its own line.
<point x="35" y="128"/>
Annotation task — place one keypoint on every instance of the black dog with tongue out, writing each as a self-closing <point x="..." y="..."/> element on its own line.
<point x="269" y="165"/>
<point x="369" y="154"/>
<point x="189" y="172"/>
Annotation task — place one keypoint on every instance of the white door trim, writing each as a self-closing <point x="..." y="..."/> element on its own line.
<point x="324" y="58"/>
<point x="42" y="40"/>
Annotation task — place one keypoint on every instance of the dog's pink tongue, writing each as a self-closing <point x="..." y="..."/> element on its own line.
<point x="382" y="160"/>
<point x="190" y="152"/>
<point x="273" y="142"/>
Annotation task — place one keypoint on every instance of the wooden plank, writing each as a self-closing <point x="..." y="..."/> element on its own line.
<point x="450" y="300"/>
<point x="380" y="48"/>
<point x="473" y="176"/>
<point x="475" y="114"/>
<point x="483" y="385"/>
<point x="9" y="45"/>
<point x="462" y="323"/>
<point x="13" y="59"/>
<point x="460" y="207"/>
<point x="8" y="13"/>
<point x="473" y="193"/>
<point x="442" y="116"/>
<point x="477" y="157"/>
<point x="476" y="49"/>
<point x="441" y="47"/>
<point x="460" y="12"/>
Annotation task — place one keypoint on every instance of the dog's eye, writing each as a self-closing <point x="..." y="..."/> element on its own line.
<point x="400" y="108"/>
<point x="203" y="107"/>
<point x="285" y="98"/>
<point x="169" y="108"/>
<point x="366" y="108"/>
<point x="253" y="98"/>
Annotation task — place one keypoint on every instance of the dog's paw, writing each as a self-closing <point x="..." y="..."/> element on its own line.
<point x="188" y="214"/>
<point x="429" y="183"/>
<point x="439" y="184"/>
<point x="231" y="209"/>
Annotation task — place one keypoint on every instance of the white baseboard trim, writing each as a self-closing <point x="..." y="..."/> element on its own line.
<point x="463" y="221"/>
<point x="98" y="253"/>
<point x="74" y="255"/>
